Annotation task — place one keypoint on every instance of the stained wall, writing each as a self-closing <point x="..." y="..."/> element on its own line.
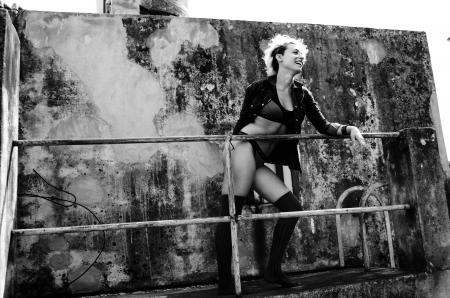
<point x="94" y="76"/>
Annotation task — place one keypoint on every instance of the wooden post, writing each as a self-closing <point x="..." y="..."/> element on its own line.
<point x="9" y="131"/>
<point x="365" y="246"/>
<point x="233" y="219"/>
<point x="339" y="236"/>
<point x="389" y="238"/>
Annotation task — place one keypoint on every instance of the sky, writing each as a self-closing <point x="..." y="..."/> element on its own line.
<point x="429" y="16"/>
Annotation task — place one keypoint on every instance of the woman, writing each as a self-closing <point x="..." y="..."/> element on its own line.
<point x="275" y="105"/>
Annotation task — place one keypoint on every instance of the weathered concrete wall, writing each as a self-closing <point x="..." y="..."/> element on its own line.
<point x="94" y="76"/>
<point x="416" y="177"/>
<point x="9" y="123"/>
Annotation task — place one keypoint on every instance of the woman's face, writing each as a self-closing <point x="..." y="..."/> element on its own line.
<point x="292" y="59"/>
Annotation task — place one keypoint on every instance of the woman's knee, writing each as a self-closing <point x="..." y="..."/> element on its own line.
<point x="268" y="184"/>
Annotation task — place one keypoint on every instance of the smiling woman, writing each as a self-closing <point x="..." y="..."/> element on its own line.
<point x="432" y="18"/>
<point x="277" y="104"/>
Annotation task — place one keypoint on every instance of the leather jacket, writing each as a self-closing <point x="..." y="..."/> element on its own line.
<point x="259" y="93"/>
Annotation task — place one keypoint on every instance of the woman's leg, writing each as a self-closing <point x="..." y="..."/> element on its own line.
<point x="223" y="247"/>
<point x="273" y="189"/>
<point x="243" y="167"/>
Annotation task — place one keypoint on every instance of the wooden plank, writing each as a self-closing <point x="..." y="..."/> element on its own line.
<point x="178" y="139"/>
<point x="389" y="238"/>
<point x="233" y="217"/>
<point x="9" y="131"/>
<point x="120" y="226"/>
<point x="339" y="237"/>
<point x="208" y="220"/>
<point x="365" y="246"/>
<point x="324" y="212"/>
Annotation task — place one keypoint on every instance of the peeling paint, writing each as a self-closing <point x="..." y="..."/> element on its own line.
<point x="58" y="243"/>
<point x="165" y="44"/>
<point x="91" y="281"/>
<point x="203" y="159"/>
<point x="116" y="275"/>
<point x="87" y="190"/>
<point x="58" y="261"/>
<point x="375" y="50"/>
<point x="114" y="84"/>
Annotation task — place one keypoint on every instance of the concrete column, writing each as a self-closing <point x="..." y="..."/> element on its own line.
<point x="416" y="177"/>
<point x="9" y="123"/>
<point x="100" y="6"/>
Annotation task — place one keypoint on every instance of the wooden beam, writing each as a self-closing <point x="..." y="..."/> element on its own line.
<point x="233" y="220"/>
<point x="207" y="220"/>
<point x="177" y="139"/>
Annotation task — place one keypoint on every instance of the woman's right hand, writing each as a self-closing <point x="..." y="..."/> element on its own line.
<point x="355" y="135"/>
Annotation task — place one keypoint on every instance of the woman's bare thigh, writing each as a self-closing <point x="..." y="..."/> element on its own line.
<point x="242" y="167"/>
<point x="268" y="184"/>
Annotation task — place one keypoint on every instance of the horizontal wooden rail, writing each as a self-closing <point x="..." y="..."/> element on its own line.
<point x="204" y="138"/>
<point x="324" y="212"/>
<point x="207" y="220"/>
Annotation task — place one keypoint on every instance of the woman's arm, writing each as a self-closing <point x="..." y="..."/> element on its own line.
<point x="323" y="125"/>
<point x="246" y="108"/>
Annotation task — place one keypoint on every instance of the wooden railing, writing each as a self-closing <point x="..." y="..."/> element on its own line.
<point x="232" y="218"/>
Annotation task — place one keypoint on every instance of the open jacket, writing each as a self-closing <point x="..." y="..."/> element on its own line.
<point x="259" y="93"/>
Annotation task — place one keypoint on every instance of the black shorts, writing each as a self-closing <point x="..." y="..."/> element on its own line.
<point x="260" y="156"/>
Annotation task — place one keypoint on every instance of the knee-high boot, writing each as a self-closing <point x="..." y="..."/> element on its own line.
<point x="223" y="247"/>
<point x="281" y="236"/>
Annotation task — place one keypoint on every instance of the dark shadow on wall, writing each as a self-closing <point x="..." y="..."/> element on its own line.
<point x="447" y="192"/>
<point x="155" y="12"/>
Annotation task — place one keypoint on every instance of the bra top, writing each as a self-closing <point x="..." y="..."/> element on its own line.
<point x="274" y="111"/>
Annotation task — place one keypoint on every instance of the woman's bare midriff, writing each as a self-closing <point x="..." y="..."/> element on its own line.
<point x="262" y="126"/>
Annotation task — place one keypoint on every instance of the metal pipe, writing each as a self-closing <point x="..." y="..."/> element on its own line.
<point x="172" y="139"/>
<point x="341" y="199"/>
<point x="208" y="220"/>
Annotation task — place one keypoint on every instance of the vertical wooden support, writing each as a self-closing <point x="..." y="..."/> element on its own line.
<point x="233" y="218"/>
<point x="365" y="247"/>
<point x="9" y="131"/>
<point x="339" y="237"/>
<point x="389" y="238"/>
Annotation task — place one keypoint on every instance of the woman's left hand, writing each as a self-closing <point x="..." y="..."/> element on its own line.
<point x="355" y="135"/>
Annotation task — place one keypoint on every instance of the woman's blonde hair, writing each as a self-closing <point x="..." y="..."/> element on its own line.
<point x="277" y="45"/>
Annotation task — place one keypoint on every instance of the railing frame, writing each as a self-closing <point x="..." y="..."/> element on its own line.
<point x="232" y="218"/>
<point x="362" y="222"/>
